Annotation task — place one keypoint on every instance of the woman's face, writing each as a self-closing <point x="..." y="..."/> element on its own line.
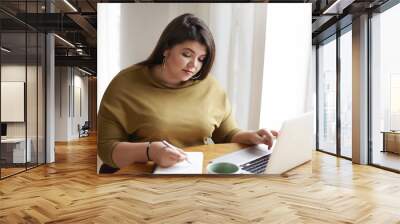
<point x="184" y="61"/>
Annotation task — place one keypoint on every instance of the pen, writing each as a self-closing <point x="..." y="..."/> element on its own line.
<point x="173" y="147"/>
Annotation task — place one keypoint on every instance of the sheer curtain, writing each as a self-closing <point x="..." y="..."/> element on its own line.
<point x="263" y="58"/>
<point x="108" y="42"/>
<point x="239" y="32"/>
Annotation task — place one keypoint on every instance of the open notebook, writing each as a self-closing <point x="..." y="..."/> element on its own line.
<point x="184" y="167"/>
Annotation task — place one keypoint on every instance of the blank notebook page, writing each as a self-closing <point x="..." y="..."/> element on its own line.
<point x="184" y="167"/>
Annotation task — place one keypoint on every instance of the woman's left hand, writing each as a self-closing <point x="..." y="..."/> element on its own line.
<point x="262" y="136"/>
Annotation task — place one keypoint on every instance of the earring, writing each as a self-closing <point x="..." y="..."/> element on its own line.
<point x="163" y="63"/>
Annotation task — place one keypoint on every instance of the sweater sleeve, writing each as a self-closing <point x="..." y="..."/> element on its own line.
<point x="228" y="127"/>
<point x="110" y="130"/>
<point x="109" y="134"/>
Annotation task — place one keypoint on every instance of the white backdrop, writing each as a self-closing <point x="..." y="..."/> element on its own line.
<point x="263" y="55"/>
<point x="288" y="77"/>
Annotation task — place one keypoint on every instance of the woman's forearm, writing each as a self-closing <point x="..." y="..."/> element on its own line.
<point x="242" y="137"/>
<point x="126" y="153"/>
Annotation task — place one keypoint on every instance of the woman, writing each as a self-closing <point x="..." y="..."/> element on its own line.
<point x="171" y="97"/>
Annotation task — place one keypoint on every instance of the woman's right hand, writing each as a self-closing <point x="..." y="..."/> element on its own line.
<point x="165" y="156"/>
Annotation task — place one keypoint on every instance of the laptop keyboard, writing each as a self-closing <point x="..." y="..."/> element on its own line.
<point x="256" y="166"/>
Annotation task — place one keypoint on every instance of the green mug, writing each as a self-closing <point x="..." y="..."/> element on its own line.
<point x="223" y="168"/>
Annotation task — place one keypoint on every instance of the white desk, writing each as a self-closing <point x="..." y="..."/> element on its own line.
<point x="17" y="147"/>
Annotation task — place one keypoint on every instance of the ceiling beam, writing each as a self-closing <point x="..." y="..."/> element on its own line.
<point x="337" y="6"/>
<point x="84" y="24"/>
<point x="83" y="61"/>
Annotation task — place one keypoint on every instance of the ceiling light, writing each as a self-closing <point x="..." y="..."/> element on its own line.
<point x="80" y="51"/>
<point x="84" y="71"/>
<point x="70" y="5"/>
<point x="338" y="6"/>
<point x="5" y="50"/>
<point x="64" y="40"/>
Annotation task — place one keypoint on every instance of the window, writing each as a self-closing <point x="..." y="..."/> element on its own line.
<point x="327" y="96"/>
<point x="346" y="92"/>
<point x="385" y="88"/>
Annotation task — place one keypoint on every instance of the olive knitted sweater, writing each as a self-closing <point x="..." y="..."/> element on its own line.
<point x="136" y="107"/>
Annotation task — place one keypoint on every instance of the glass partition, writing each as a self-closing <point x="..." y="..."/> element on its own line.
<point x="346" y="93"/>
<point x="327" y="96"/>
<point x="13" y="94"/>
<point x="385" y="89"/>
<point x="22" y="90"/>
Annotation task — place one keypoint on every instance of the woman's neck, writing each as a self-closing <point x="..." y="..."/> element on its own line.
<point x="162" y="76"/>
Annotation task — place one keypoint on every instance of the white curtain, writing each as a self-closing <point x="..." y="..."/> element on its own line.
<point x="238" y="31"/>
<point x="239" y="54"/>
<point x="108" y="42"/>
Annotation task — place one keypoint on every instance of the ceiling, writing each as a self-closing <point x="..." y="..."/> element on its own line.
<point x="76" y="26"/>
<point x="76" y="22"/>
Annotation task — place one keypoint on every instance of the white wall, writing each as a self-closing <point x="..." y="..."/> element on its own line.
<point x="33" y="127"/>
<point x="69" y="84"/>
<point x="61" y="103"/>
<point x="81" y="103"/>
<point x="84" y="85"/>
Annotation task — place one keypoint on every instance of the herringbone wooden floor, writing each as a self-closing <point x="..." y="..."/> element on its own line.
<point x="70" y="191"/>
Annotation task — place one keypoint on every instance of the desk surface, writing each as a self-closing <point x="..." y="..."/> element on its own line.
<point x="391" y="132"/>
<point x="210" y="152"/>
<point x="13" y="140"/>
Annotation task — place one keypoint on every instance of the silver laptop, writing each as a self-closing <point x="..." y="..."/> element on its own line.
<point x="292" y="148"/>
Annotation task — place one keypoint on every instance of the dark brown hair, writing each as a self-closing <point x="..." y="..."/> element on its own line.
<point x="186" y="27"/>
